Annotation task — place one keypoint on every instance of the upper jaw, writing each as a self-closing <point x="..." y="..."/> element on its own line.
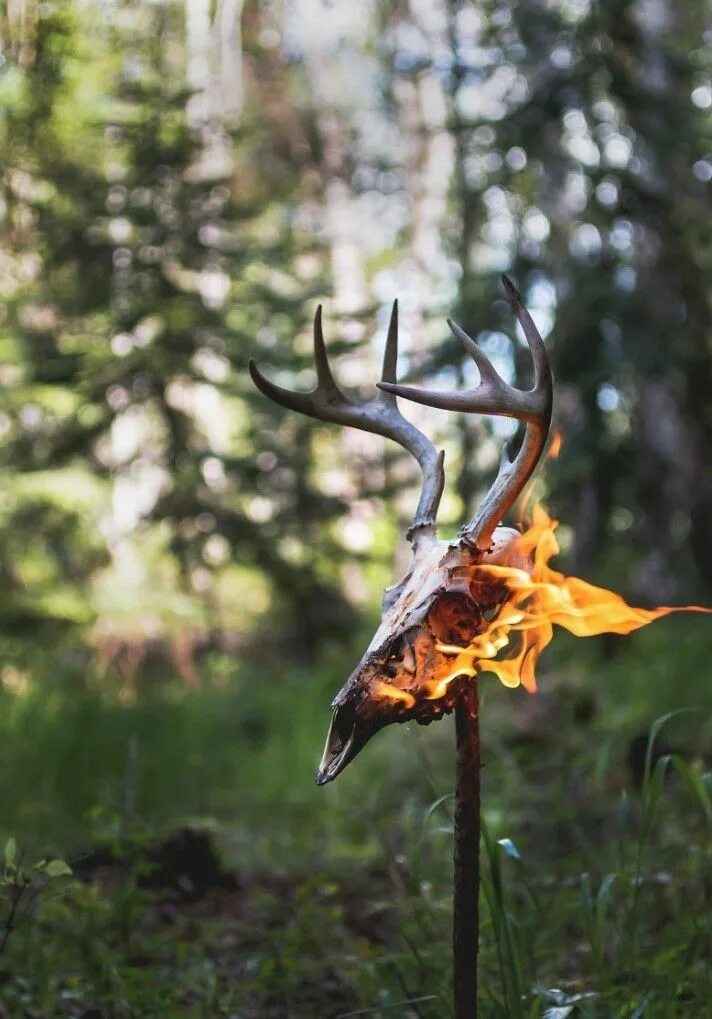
<point x="338" y="750"/>
<point x="348" y="730"/>
<point x="348" y="733"/>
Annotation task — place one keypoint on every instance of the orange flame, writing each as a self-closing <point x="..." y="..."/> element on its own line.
<point x="384" y="689"/>
<point x="557" y="441"/>
<point x="535" y="603"/>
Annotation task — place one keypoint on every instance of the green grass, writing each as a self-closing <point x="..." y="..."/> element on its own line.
<point x="595" y="897"/>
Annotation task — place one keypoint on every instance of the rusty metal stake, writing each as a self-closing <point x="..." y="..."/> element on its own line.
<point x="465" y="930"/>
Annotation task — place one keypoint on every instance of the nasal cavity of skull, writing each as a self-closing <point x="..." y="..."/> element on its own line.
<point x="454" y="619"/>
<point x="344" y="723"/>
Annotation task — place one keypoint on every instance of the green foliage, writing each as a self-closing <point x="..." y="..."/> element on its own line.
<point x="592" y="884"/>
<point x="582" y="168"/>
<point x="24" y="889"/>
<point x="139" y="283"/>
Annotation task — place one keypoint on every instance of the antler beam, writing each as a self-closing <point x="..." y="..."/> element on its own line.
<point x="380" y="415"/>
<point x="494" y="396"/>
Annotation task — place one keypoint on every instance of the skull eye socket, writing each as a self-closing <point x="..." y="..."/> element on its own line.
<point x="400" y="656"/>
<point x="454" y="620"/>
<point x="393" y="657"/>
<point x="396" y="649"/>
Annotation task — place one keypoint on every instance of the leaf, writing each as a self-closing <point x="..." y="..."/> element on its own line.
<point x="653" y="735"/>
<point x="641" y="1007"/>
<point x="603" y="899"/>
<point x="10" y="852"/>
<point x="57" y="868"/>
<point x="653" y="790"/>
<point x="695" y="784"/>
<point x="586" y="894"/>
<point x="623" y="811"/>
<point x="434" y="806"/>
<point x="424" y="830"/>
<point x="510" y="849"/>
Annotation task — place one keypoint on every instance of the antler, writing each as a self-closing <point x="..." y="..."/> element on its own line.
<point x="494" y="396"/>
<point x="380" y="415"/>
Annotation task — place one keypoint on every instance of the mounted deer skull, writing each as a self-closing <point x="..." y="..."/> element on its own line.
<point x="408" y="671"/>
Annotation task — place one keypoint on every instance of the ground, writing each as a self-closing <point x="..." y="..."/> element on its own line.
<point x="210" y="877"/>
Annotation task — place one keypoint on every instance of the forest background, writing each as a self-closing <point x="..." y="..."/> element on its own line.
<point x="189" y="573"/>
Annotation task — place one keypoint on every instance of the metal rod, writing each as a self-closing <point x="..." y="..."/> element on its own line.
<point x="465" y="930"/>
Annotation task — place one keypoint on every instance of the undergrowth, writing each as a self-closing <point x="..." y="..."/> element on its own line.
<point x="596" y="849"/>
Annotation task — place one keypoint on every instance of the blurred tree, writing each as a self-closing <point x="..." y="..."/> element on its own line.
<point x="610" y="209"/>
<point x="194" y="291"/>
<point x="582" y="166"/>
<point x="151" y="282"/>
<point x="55" y="282"/>
<point x="157" y="233"/>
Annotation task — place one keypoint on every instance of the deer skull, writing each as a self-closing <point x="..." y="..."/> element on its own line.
<point x="408" y="671"/>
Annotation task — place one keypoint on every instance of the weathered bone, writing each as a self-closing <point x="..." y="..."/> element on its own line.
<point x="406" y="672"/>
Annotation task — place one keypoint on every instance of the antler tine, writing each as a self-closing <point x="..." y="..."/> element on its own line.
<point x="493" y="395"/>
<point x="380" y="415"/>
<point x="542" y="368"/>
<point x="390" y="354"/>
<point x="325" y="380"/>
<point x="316" y="403"/>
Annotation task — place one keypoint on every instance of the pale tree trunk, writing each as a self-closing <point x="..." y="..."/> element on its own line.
<point x="20" y="30"/>
<point x="429" y="163"/>
<point x="349" y="275"/>
<point x="198" y="41"/>
<point x="323" y="33"/>
<point x="227" y="35"/>
<point x="437" y="186"/>
<point x="351" y="291"/>
<point x="214" y="74"/>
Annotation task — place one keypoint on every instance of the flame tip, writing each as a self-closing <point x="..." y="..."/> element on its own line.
<point x="538" y="599"/>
